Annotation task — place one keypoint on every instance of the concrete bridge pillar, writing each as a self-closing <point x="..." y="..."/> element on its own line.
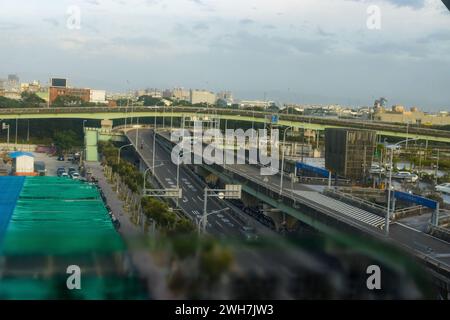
<point x="90" y="144"/>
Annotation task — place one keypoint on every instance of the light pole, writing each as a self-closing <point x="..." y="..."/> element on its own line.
<point x="407" y="135"/>
<point x="282" y="158"/>
<point x="230" y="192"/>
<point x="388" y="213"/>
<point x="145" y="177"/>
<point x="17" y="125"/>
<point x="391" y="167"/>
<point x="437" y="168"/>
<point x="6" y="127"/>
<point x="219" y="195"/>
<point x="200" y="222"/>
<point x="137" y="133"/>
<point x="120" y="149"/>
<point x="154" y="141"/>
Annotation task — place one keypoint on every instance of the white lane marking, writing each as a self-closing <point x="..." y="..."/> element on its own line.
<point x="218" y="223"/>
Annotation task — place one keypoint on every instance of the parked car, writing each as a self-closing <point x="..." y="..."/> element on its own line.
<point x="64" y="175"/>
<point x="60" y="171"/>
<point x="405" y="175"/>
<point x="60" y="158"/>
<point x="75" y="175"/>
<point x="376" y="169"/>
<point x="444" y="188"/>
<point x="70" y="158"/>
<point x="72" y="170"/>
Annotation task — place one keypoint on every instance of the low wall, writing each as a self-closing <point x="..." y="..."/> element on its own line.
<point x="18" y="147"/>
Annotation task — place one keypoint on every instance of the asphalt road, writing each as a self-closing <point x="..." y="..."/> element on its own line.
<point x="414" y="239"/>
<point x="222" y="223"/>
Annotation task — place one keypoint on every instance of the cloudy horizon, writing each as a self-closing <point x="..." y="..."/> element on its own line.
<point x="299" y="51"/>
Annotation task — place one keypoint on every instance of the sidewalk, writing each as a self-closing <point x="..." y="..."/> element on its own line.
<point x="141" y="259"/>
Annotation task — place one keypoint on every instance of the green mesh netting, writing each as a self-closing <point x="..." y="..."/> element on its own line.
<point x="59" y="222"/>
<point x="59" y="216"/>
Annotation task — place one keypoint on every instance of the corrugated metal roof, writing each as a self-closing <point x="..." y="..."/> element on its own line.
<point x="17" y="154"/>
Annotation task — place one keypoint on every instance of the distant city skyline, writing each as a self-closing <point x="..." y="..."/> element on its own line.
<point x="291" y="51"/>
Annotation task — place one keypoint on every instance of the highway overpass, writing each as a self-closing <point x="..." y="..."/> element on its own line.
<point x="337" y="219"/>
<point x="249" y="116"/>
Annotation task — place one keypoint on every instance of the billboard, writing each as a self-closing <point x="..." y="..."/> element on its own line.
<point x="58" y="82"/>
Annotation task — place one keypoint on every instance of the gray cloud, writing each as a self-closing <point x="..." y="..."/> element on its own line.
<point x="200" y="26"/>
<point x="52" y="21"/>
<point x="246" y="21"/>
<point x="159" y="43"/>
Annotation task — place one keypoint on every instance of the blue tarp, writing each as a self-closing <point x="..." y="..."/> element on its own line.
<point x="17" y="154"/>
<point x="10" y="188"/>
<point x="408" y="197"/>
<point x="319" y="171"/>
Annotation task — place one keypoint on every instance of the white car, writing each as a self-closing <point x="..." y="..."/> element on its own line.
<point x="408" y="176"/>
<point x="75" y="176"/>
<point x="376" y="169"/>
<point x="444" y="188"/>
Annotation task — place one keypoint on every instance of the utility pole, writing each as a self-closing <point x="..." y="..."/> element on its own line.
<point x="17" y="124"/>
<point x="437" y="168"/>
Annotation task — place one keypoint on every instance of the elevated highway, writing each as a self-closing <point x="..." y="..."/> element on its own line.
<point x="249" y="116"/>
<point x="336" y="218"/>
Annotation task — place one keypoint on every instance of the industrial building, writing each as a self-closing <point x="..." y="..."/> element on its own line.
<point x="349" y="152"/>
<point x="83" y="94"/>
<point x="398" y="114"/>
<point x="202" y="96"/>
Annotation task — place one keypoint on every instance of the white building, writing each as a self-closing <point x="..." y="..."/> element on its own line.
<point x="181" y="94"/>
<point x="256" y="103"/>
<point x="202" y="96"/>
<point x="97" y="96"/>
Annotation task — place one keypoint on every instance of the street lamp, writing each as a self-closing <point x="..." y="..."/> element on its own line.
<point x="6" y="127"/>
<point x="230" y="192"/>
<point x="391" y="167"/>
<point x="120" y="149"/>
<point x="437" y="168"/>
<point x="154" y="141"/>
<point x="282" y="158"/>
<point x="145" y="178"/>
<point x="200" y="221"/>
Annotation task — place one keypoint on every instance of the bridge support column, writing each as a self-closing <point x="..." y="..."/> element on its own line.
<point x="435" y="217"/>
<point x="91" y="144"/>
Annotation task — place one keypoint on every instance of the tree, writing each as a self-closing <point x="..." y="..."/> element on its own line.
<point x="31" y="100"/>
<point x="9" y="103"/>
<point x="150" y="101"/>
<point x="123" y="102"/>
<point x="65" y="140"/>
<point x="68" y="101"/>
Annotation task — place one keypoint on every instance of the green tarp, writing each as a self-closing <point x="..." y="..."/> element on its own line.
<point x="58" y="222"/>
<point x="59" y="216"/>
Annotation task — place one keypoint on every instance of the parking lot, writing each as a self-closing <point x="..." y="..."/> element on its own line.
<point x="52" y="163"/>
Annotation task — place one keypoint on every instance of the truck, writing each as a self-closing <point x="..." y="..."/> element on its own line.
<point x="39" y="168"/>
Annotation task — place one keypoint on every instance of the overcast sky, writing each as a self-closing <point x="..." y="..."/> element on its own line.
<point x="304" y="51"/>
